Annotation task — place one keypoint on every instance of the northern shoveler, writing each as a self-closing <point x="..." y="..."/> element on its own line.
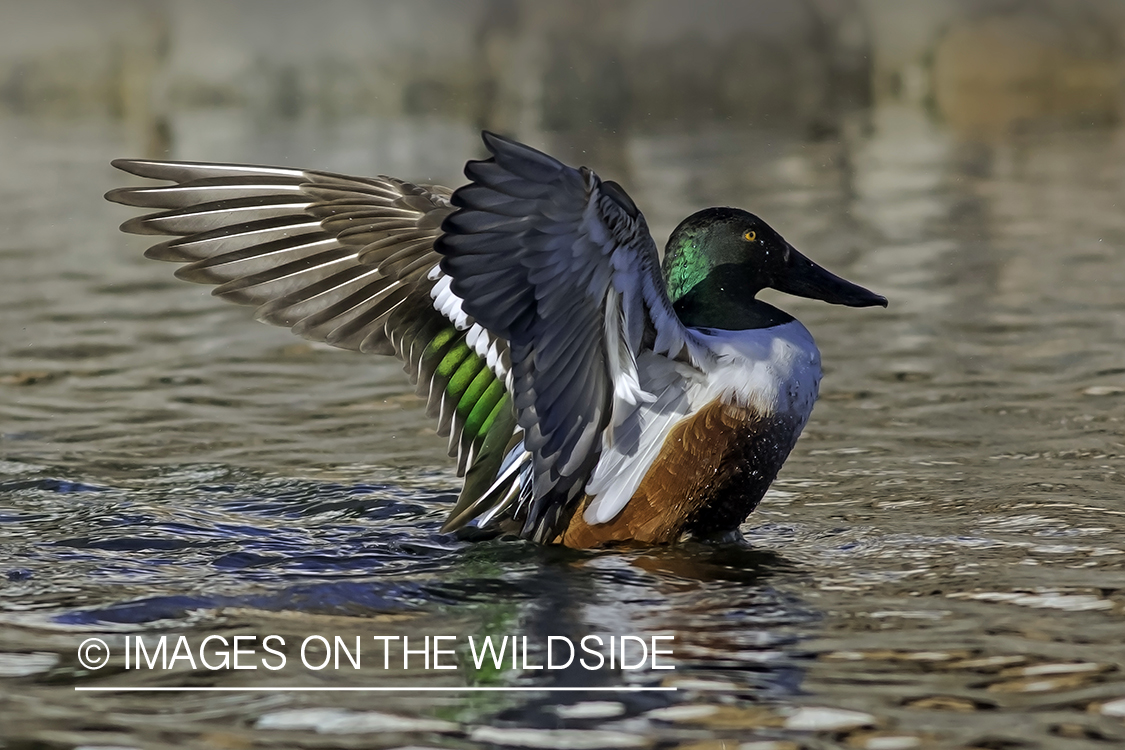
<point x="590" y="395"/>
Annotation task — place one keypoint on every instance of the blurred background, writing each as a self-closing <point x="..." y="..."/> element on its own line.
<point x="941" y="558"/>
<point x="985" y="68"/>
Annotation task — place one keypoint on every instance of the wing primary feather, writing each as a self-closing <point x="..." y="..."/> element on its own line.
<point x="572" y="282"/>
<point x="527" y="352"/>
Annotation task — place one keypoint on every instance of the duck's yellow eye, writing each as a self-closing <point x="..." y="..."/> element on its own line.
<point x="749" y="235"/>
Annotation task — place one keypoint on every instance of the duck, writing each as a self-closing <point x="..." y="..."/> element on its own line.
<point x="592" y="394"/>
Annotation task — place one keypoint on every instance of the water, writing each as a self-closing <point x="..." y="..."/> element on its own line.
<point x="940" y="563"/>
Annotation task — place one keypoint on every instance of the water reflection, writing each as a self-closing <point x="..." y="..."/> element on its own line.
<point x="291" y="559"/>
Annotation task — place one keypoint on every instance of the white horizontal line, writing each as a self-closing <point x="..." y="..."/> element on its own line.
<point x="129" y="689"/>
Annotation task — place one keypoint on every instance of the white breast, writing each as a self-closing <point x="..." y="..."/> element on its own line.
<point x="775" y="370"/>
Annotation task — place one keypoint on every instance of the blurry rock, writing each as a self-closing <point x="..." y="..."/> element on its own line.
<point x="1103" y="390"/>
<point x="1115" y="708"/>
<point x="558" y="739"/>
<point x="340" y="721"/>
<point x="29" y="377"/>
<point x="821" y="719"/>
<point x="943" y="703"/>
<point x="994" y="73"/>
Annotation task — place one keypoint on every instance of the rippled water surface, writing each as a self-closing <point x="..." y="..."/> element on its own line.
<point x="940" y="564"/>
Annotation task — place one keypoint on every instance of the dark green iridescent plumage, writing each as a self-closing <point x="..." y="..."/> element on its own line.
<point x="685" y="264"/>
<point x="471" y="403"/>
<point x="711" y="273"/>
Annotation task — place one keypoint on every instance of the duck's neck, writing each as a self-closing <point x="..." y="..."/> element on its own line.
<point x="719" y="297"/>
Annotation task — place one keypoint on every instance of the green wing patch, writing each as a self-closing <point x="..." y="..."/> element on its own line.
<point x="470" y="402"/>
<point x="344" y="260"/>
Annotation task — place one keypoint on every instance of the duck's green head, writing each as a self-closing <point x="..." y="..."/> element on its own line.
<point x="718" y="259"/>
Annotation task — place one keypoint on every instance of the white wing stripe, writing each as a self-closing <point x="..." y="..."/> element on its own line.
<point x="630" y="449"/>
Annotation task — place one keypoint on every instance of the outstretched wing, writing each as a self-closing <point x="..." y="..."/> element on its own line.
<point x="562" y="266"/>
<point x="348" y="261"/>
